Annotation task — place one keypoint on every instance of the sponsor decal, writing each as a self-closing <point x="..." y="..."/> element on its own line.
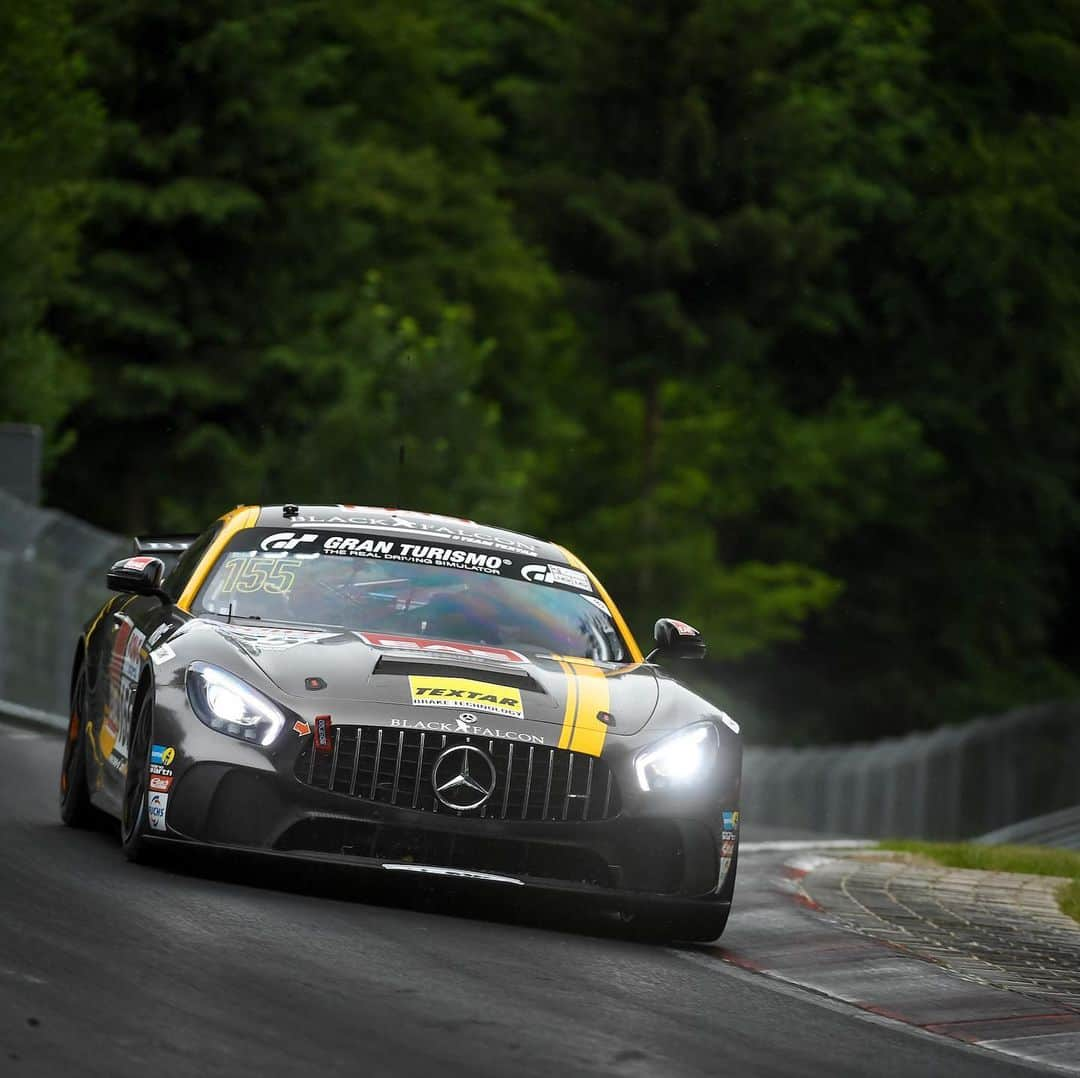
<point x="286" y="541"/>
<point x="418" y="546"/>
<point x="682" y="628"/>
<point x="157" y="769"/>
<point x="162" y="654"/>
<point x="427" y="646"/>
<point x="123" y="679"/>
<point x="445" y="528"/>
<point x="301" y="728"/>
<point x="358" y="546"/>
<point x="431" y="691"/>
<point x="731" y="821"/>
<point x="157" y="805"/>
<point x="162" y="754"/>
<point x="160" y="783"/>
<point x="314" y="684"/>
<point x="138" y="564"/>
<point x="728" y="835"/>
<point x="725" y="866"/>
<point x="727" y="849"/>
<point x="598" y="603"/>
<point x="462" y="725"/>
<point x="556" y="574"/>
<point x="324" y="741"/>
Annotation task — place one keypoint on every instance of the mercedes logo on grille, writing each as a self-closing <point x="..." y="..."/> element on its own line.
<point x="463" y="777"/>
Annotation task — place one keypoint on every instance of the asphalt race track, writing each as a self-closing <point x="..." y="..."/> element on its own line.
<point x="207" y="969"/>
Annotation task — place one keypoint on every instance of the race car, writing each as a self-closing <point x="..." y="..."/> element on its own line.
<point x="406" y="693"/>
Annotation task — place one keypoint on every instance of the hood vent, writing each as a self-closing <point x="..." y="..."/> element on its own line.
<point x="501" y="675"/>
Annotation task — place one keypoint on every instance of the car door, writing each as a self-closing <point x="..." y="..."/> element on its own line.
<point x="130" y="626"/>
<point x="123" y="656"/>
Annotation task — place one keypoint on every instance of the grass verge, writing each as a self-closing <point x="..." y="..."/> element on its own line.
<point x="1034" y="860"/>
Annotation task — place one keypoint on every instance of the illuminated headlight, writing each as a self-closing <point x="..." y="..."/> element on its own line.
<point x="678" y="760"/>
<point x="226" y="704"/>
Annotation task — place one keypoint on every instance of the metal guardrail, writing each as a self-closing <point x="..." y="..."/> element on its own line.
<point x="953" y="782"/>
<point x="1059" y="829"/>
<point x="52" y="569"/>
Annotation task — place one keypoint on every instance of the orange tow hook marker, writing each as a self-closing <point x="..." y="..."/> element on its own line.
<point x="324" y="741"/>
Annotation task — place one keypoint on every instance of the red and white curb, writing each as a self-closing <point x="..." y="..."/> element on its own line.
<point x="797" y="943"/>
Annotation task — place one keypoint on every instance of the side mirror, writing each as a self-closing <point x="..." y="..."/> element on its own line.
<point x="677" y="640"/>
<point x="138" y="576"/>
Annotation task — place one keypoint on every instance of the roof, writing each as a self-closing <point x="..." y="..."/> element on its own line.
<point x="429" y="526"/>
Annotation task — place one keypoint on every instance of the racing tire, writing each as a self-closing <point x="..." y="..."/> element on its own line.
<point x="697" y="926"/>
<point x="702" y="926"/>
<point x="75" y="807"/>
<point x="133" y="821"/>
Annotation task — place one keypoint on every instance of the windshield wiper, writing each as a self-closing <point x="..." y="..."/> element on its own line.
<point x="229" y="616"/>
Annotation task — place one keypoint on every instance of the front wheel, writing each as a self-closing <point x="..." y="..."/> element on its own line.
<point x="696" y="926"/>
<point x="702" y="925"/>
<point x="133" y="822"/>
<point x="75" y="807"/>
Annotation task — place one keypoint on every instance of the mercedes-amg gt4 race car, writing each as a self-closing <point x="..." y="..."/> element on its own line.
<point x="410" y="694"/>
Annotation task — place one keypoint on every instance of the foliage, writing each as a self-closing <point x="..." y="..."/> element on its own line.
<point x="49" y="135"/>
<point x="248" y="186"/>
<point x="1069" y="899"/>
<point x="771" y="310"/>
<point x="808" y="199"/>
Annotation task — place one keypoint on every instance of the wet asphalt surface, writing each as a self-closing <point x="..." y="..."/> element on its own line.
<point x="213" y="968"/>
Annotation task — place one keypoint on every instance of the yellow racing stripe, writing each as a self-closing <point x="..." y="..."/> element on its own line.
<point x="570" y="714"/>
<point x="243" y="516"/>
<point x="586" y="696"/>
<point x="635" y="652"/>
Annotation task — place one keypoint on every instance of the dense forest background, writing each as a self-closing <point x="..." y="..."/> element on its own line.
<point x="768" y="308"/>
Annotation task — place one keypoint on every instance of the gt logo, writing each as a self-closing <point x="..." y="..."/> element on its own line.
<point x="286" y="540"/>
<point x="562" y="575"/>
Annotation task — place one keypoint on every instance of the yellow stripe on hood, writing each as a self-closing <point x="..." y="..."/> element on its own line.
<point x="586" y="696"/>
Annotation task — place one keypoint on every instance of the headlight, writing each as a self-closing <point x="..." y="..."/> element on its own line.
<point x="678" y="760"/>
<point x="226" y="704"/>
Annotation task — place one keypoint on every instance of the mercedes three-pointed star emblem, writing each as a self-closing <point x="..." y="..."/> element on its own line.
<point x="463" y="777"/>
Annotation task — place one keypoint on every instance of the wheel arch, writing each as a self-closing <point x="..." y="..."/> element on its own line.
<point x="143" y="689"/>
<point x="76" y="665"/>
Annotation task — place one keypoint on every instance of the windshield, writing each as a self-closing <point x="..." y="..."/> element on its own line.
<point x="372" y="583"/>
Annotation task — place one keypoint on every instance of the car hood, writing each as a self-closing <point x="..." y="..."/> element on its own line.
<point x="340" y="671"/>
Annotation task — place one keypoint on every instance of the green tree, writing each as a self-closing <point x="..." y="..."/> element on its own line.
<point x="49" y="134"/>
<point x="688" y="167"/>
<point x="824" y="255"/>
<point x="260" y="161"/>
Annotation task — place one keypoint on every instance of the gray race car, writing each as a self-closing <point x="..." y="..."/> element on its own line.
<point x="408" y="693"/>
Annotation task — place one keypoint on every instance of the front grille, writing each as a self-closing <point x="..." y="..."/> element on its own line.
<point x="393" y="767"/>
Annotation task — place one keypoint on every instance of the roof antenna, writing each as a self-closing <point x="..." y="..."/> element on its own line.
<point x="290" y="510"/>
<point x="228" y="619"/>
